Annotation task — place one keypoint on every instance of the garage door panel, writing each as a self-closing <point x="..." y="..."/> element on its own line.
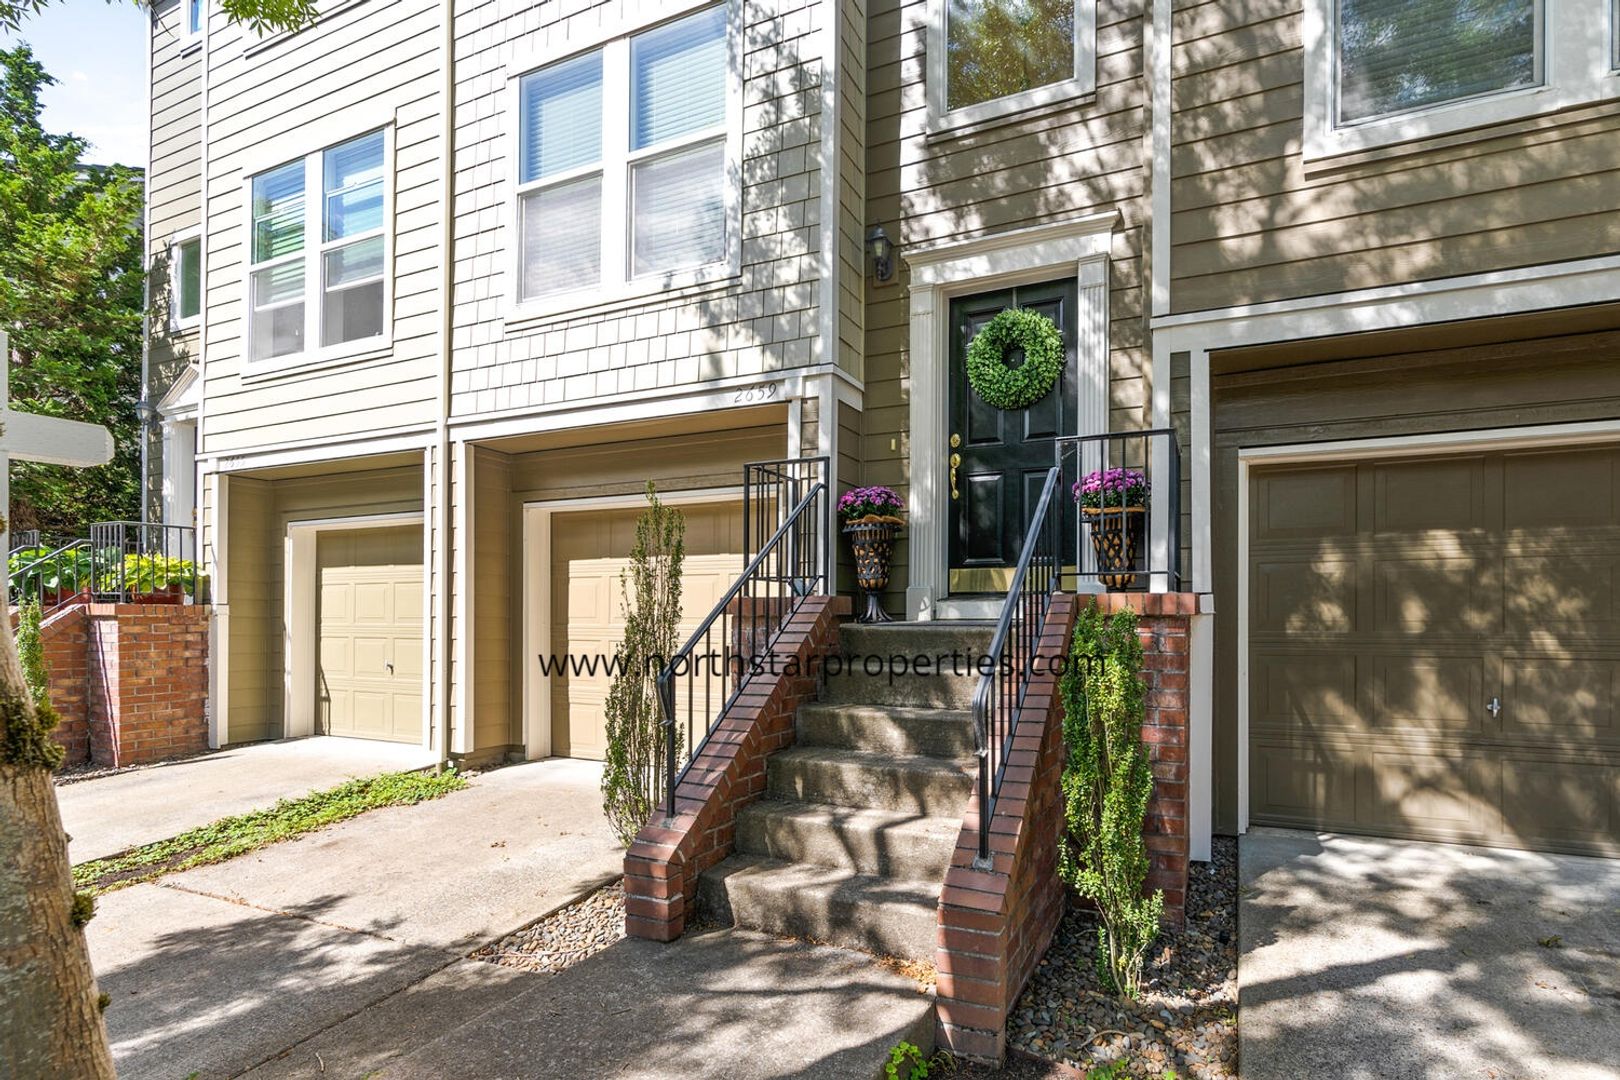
<point x="1419" y="496"/>
<point x="1429" y="794"/>
<point x="1432" y="694"/>
<point x="1564" y="700"/>
<point x="1563" y="596"/>
<point x="1302" y="783"/>
<point x="1560" y="488"/>
<point x="1305" y="690"/>
<point x="1304" y="596"/>
<point x="1302" y="504"/>
<point x="373" y="602"/>
<point x="1562" y="804"/>
<point x="369" y="623"/>
<point x="1437" y="595"/>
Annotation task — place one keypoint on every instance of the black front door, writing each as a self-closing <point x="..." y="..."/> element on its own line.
<point x="1005" y="454"/>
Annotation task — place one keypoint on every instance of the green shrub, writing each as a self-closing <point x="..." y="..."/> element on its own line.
<point x="31" y="652"/>
<point x="1106" y="787"/>
<point x="68" y="571"/>
<point x="635" y="731"/>
<point x="150" y="573"/>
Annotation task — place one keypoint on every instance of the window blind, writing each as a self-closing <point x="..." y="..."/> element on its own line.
<point x="354" y="187"/>
<point x="1395" y="55"/>
<point x="561" y="117"/>
<point x="562" y="237"/>
<point x="680" y="213"/>
<point x="278" y="212"/>
<point x="678" y="78"/>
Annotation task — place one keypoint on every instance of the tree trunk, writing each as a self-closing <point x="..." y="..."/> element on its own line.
<point x="50" y="1016"/>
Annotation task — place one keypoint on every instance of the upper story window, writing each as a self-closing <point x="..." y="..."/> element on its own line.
<point x="988" y="58"/>
<point x="192" y="13"/>
<point x="318" y="281"/>
<point x="1381" y="72"/>
<point x="185" y="282"/>
<point x="626" y="164"/>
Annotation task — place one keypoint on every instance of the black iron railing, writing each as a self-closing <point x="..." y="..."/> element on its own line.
<point x="1010" y="662"/>
<point x="1122" y="531"/>
<point x="771" y="489"/>
<point x="121" y="562"/>
<point x="708" y="673"/>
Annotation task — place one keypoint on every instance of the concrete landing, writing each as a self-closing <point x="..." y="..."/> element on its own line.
<point x="725" y="1004"/>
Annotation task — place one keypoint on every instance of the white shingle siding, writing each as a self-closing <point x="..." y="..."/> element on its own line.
<point x="761" y="322"/>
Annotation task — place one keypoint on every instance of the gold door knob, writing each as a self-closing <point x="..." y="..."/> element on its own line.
<point x="956" y="463"/>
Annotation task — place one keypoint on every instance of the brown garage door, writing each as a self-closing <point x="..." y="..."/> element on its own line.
<point x="369" y="682"/>
<point x="1434" y="648"/>
<point x="589" y="552"/>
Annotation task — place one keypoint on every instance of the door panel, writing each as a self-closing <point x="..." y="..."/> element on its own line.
<point x="1392" y="602"/>
<point x="1002" y="449"/>
<point x="589" y="552"/>
<point x="369" y="617"/>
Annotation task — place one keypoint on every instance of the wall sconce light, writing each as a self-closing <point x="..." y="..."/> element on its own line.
<point x="145" y="412"/>
<point x="877" y="242"/>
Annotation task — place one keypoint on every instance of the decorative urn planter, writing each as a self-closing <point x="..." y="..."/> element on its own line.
<point x="871" y="521"/>
<point x="1113" y="504"/>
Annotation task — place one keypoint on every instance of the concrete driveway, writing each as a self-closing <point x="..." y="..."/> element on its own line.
<point x="1364" y="959"/>
<point x="110" y="814"/>
<point x="219" y="969"/>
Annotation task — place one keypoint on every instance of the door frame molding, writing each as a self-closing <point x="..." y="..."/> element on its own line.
<point x="1533" y="437"/>
<point x="536" y="590"/>
<point x="299" y="624"/>
<point x="943" y="271"/>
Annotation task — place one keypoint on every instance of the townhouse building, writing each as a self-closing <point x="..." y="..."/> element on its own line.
<point x="452" y="280"/>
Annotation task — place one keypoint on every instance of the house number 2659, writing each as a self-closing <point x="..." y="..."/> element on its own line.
<point x="750" y="395"/>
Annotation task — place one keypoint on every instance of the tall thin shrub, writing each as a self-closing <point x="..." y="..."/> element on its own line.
<point x="1106" y="787"/>
<point x="651" y="589"/>
<point x="31" y="653"/>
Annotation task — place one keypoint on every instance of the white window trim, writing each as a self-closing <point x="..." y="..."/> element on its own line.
<point x="617" y="289"/>
<point x="1572" y="74"/>
<point x="316" y="355"/>
<point x="191" y="40"/>
<point x="1084" y="83"/>
<point x="177" y="240"/>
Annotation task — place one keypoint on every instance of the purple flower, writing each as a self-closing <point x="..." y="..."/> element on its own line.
<point x="1112" y="487"/>
<point x="859" y="502"/>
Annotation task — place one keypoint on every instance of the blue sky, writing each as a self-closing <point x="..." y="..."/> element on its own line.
<point x="96" y="51"/>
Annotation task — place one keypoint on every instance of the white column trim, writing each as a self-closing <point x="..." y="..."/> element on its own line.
<point x="939" y="272"/>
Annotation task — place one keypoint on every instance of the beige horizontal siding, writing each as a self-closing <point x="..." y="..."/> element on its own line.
<point x="1251" y="225"/>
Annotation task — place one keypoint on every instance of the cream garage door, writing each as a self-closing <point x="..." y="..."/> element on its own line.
<point x="589" y="550"/>
<point x="369" y="682"/>
<point x="1434" y="648"/>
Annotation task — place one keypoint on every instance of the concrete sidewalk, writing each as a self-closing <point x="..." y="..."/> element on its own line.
<point x="110" y="814"/>
<point x="721" y="1005"/>
<point x="1364" y="958"/>
<point x="221" y="968"/>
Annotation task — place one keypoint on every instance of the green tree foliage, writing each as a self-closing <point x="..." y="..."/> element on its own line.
<point x="31" y="652"/>
<point x="71" y="297"/>
<point x="265" y="16"/>
<point x="1106" y="786"/>
<point x="651" y="587"/>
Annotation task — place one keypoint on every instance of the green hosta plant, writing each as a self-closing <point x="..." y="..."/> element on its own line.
<point x="652" y="607"/>
<point x="1106" y="787"/>
<point x="149" y="573"/>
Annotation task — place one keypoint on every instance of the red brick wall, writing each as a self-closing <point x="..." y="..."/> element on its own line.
<point x="995" y="922"/>
<point x="661" y="868"/>
<point x="130" y="680"/>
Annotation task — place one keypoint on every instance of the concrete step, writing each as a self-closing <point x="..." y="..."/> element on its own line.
<point x="930" y="787"/>
<point x="891" y="729"/>
<point x="878" y="842"/>
<point x="919" y="638"/>
<point x="907" y="690"/>
<point x="858" y="911"/>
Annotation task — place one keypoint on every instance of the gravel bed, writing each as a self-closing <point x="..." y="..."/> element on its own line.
<point x="1187" y="1017"/>
<point x="565" y="937"/>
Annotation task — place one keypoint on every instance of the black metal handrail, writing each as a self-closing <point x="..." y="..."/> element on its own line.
<point x="1119" y="544"/>
<point x="735" y="642"/>
<point x="1009" y="663"/>
<point x="122" y="561"/>
<point x="770" y="488"/>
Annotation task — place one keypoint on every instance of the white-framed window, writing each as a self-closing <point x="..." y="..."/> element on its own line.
<point x="185" y="279"/>
<point x="991" y="58"/>
<point x="192" y="15"/>
<point x="319" y="251"/>
<point x="627" y="165"/>
<point x="1383" y="72"/>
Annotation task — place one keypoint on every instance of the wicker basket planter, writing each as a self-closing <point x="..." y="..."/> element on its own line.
<point x="872" y="541"/>
<point x="1118" y="537"/>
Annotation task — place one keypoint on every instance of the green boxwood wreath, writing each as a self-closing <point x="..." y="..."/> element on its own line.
<point x="1004" y="387"/>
